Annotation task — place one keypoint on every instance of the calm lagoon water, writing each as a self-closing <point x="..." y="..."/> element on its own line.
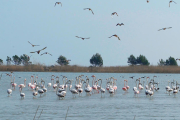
<point x="122" y="105"/>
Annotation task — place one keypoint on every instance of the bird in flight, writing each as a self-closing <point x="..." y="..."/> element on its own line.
<point x="177" y="59"/>
<point x="82" y="37"/>
<point x="32" y="44"/>
<point x="38" y="50"/>
<point x="58" y="3"/>
<point x="147" y="1"/>
<point x="132" y="77"/>
<point x="119" y="24"/>
<point x="164" y="28"/>
<point x="115" y="36"/>
<point x="114" y="13"/>
<point x="46" y="53"/>
<point x="171" y="2"/>
<point x="89" y="9"/>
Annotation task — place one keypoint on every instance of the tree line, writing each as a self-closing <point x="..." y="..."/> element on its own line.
<point x="95" y="61"/>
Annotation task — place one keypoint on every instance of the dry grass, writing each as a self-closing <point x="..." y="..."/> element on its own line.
<point x="75" y="68"/>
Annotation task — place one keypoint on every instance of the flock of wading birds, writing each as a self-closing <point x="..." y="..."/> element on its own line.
<point x="66" y="85"/>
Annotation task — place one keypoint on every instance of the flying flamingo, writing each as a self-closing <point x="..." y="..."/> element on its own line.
<point x="171" y="2"/>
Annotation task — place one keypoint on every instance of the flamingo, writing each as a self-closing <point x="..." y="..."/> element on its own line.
<point x="77" y="85"/>
<point x="101" y="89"/>
<point x="73" y="91"/>
<point x="23" y="85"/>
<point x="127" y="85"/>
<point x="29" y="84"/>
<point x="167" y="87"/>
<point x="35" y="93"/>
<point x="136" y="91"/>
<point x="80" y="90"/>
<point x="14" y="84"/>
<point x="94" y="86"/>
<point x="147" y="83"/>
<point x="40" y="91"/>
<point x="87" y="89"/>
<point x="60" y="95"/>
<point x="21" y="94"/>
<point x="55" y="85"/>
<point x="9" y="91"/>
<point x="107" y="84"/>
<point x="49" y="84"/>
<point x="114" y="84"/>
<point x="44" y="89"/>
<point x="32" y="86"/>
<point x="124" y="88"/>
<point x="171" y="2"/>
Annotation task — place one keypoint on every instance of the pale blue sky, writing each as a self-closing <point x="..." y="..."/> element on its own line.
<point x="39" y="22"/>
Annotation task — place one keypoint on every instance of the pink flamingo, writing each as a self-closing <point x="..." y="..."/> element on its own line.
<point x="14" y="84"/>
<point x="127" y="85"/>
<point x="94" y="86"/>
<point x="32" y="86"/>
<point x="124" y="88"/>
<point x="55" y="85"/>
<point x="107" y="84"/>
<point x="114" y="84"/>
<point x="22" y="85"/>
<point x="29" y="84"/>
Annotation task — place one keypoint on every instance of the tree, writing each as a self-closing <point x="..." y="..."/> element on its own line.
<point x="132" y="60"/>
<point x="96" y="60"/>
<point x="25" y="59"/>
<point x="62" y="60"/>
<point x="16" y="60"/>
<point x="169" y="61"/>
<point x="142" y="60"/>
<point x="1" y="61"/>
<point x="8" y="60"/>
<point x="161" y="62"/>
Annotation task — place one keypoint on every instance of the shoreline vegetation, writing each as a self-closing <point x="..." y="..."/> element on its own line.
<point x="75" y="68"/>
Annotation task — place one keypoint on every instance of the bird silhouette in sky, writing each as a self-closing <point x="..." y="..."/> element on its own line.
<point x="119" y="24"/>
<point x="115" y="36"/>
<point x="39" y="50"/>
<point x="83" y="38"/>
<point x="58" y="3"/>
<point x="171" y="2"/>
<point x="114" y="14"/>
<point x="165" y="28"/>
<point x="32" y="44"/>
<point x="46" y="53"/>
<point x="90" y="10"/>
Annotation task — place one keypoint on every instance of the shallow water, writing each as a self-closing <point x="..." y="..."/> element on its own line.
<point x="122" y="105"/>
